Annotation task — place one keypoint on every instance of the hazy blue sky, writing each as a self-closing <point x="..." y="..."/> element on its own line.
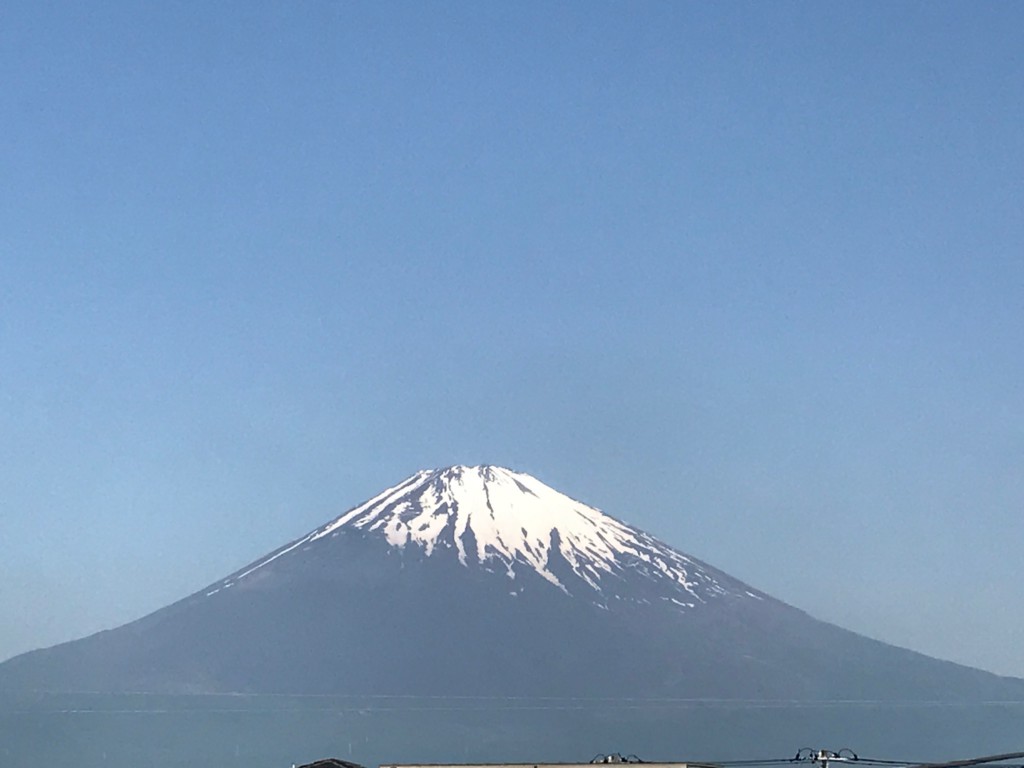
<point x="750" y="276"/>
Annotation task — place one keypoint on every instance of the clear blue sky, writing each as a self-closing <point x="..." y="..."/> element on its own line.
<point x="750" y="276"/>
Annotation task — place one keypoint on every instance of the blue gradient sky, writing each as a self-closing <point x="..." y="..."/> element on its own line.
<point x="750" y="276"/>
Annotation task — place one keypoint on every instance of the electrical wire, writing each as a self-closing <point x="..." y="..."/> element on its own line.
<point x="973" y="761"/>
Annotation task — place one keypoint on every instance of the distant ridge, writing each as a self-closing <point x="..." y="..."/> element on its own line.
<point x="484" y="581"/>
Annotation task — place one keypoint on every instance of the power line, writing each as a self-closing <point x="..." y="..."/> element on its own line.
<point x="973" y="761"/>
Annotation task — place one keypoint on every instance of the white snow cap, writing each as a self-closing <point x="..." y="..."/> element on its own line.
<point x="507" y="521"/>
<point x="513" y="518"/>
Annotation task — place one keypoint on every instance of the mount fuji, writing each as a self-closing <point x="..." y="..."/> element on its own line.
<point x="482" y="581"/>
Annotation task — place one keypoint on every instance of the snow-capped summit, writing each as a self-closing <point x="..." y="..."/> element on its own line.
<point x="482" y="581"/>
<point x="507" y="521"/>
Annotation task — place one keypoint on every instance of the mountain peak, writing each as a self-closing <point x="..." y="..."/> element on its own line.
<point x="509" y="522"/>
<point x="483" y="581"/>
<point x="488" y="514"/>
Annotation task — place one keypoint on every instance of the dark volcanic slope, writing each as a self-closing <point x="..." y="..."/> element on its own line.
<point x="482" y="581"/>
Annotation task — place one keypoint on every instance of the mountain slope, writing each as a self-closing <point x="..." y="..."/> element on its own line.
<point x="484" y="581"/>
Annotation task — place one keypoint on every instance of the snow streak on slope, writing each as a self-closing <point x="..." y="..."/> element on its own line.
<point x="496" y="518"/>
